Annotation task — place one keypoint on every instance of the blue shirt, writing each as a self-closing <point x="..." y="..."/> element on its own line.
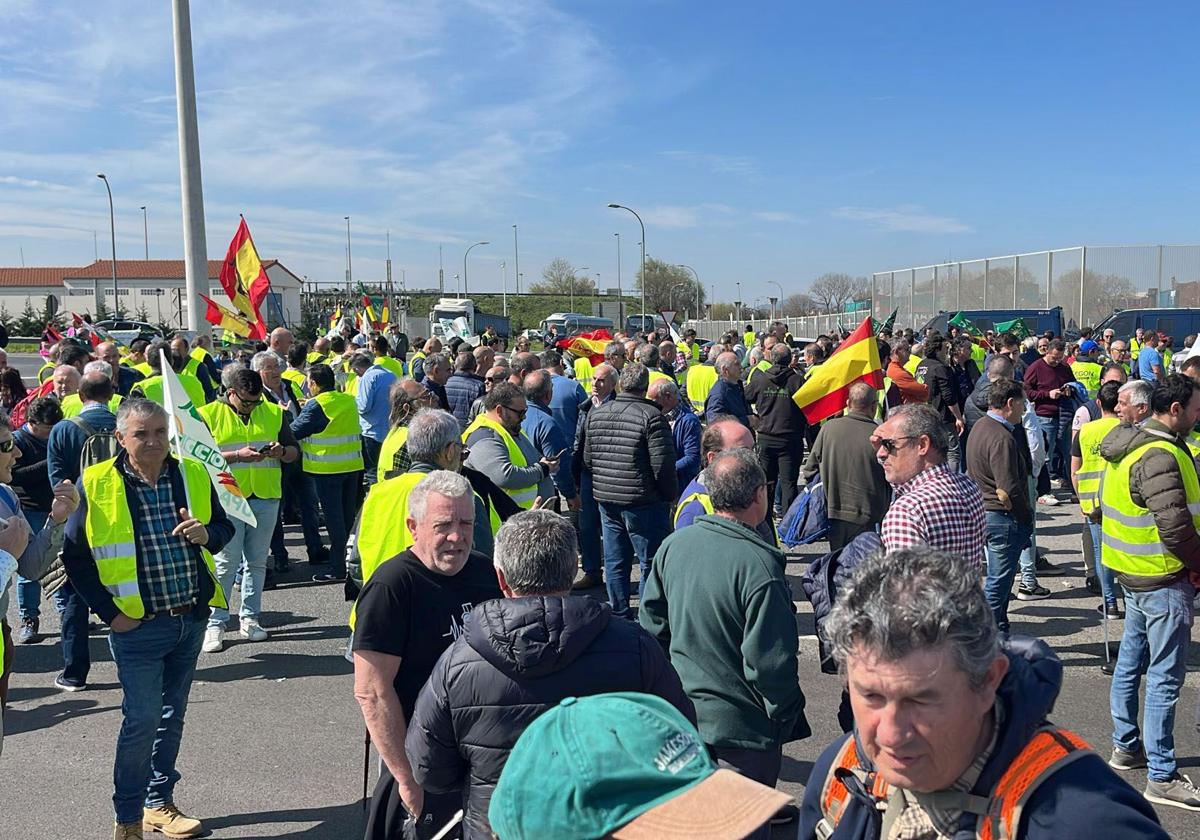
<point x="685" y="427"/>
<point x="374" y="405"/>
<point x="541" y="428"/>
<point x="1147" y="358"/>
<point x="564" y="403"/>
<point x="66" y="441"/>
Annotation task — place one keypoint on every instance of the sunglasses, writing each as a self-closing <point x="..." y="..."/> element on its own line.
<point x="519" y="412"/>
<point x="7" y="445"/>
<point x="889" y="444"/>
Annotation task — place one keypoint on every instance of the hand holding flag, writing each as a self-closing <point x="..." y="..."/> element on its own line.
<point x="827" y="388"/>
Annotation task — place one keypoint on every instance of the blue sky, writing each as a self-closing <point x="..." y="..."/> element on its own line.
<point x="760" y="141"/>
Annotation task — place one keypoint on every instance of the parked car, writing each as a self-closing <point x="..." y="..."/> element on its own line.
<point x="127" y="331"/>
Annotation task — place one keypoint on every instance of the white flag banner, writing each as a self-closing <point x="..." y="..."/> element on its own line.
<point x="668" y="316"/>
<point x="190" y="438"/>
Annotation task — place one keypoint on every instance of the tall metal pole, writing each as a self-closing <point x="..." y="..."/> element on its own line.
<point x="504" y="287"/>
<point x="516" y="260"/>
<point x="1016" y="276"/>
<point x="146" y="232"/>
<point x="1049" y="275"/>
<point x="643" y="226"/>
<point x="1082" y="282"/>
<point x="699" y="311"/>
<point x="112" y="224"/>
<point x="195" y="248"/>
<point x="349" y="261"/>
<point x="441" y="274"/>
<point x="465" y="288"/>
<point x="620" y="294"/>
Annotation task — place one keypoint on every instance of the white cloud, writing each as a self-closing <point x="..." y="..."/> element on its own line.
<point x="720" y="164"/>
<point x="907" y="218"/>
<point x="778" y="216"/>
<point x="680" y="216"/>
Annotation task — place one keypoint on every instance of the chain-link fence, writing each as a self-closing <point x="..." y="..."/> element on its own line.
<point x="1114" y="277"/>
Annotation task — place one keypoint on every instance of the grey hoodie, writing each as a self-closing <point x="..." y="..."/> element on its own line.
<point x="43" y="546"/>
<point x="1155" y="484"/>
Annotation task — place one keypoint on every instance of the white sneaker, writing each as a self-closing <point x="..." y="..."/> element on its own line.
<point x="1048" y="500"/>
<point x="212" y="639"/>
<point x="253" y="631"/>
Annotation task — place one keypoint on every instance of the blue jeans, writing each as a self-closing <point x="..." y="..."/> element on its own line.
<point x="370" y="451"/>
<point x="73" y="615"/>
<point x="29" y="592"/>
<point x="155" y="663"/>
<point x="590" y="543"/>
<point x="1158" y="628"/>
<point x="1057" y="435"/>
<point x="1108" y="580"/>
<point x="339" y="499"/>
<point x="298" y="490"/>
<point x="1005" y="539"/>
<point x="252" y="546"/>
<point x="1028" y="560"/>
<point x="630" y="530"/>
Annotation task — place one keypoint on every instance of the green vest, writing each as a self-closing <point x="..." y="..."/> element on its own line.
<point x="337" y="448"/>
<point x="1130" y="540"/>
<point x="700" y="380"/>
<point x="109" y="529"/>
<point x="1092" y="468"/>
<point x="523" y="496"/>
<point x="1088" y="374"/>
<point x="72" y="405"/>
<point x="392" y="444"/>
<point x="152" y="388"/>
<point x="261" y="478"/>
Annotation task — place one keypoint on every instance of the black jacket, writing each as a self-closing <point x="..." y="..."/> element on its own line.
<point x="630" y="452"/>
<point x="516" y="658"/>
<point x="977" y="403"/>
<point x="770" y="392"/>
<point x="942" y="393"/>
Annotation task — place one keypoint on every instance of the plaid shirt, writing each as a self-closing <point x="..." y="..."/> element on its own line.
<point x="167" y="564"/>
<point x="940" y="509"/>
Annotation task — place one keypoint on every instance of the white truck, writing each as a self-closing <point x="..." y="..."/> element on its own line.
<point x="448" y="310"/>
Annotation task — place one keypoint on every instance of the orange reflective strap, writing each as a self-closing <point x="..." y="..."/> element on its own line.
<point x="835" y="792"/>
<point x="1046" y="753"/>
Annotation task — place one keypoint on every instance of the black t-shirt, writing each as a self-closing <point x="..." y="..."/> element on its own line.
<point x="408" y="611"/>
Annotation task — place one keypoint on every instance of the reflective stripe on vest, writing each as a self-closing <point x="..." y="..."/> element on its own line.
<point x="998" y="815"/>
<point x="72" y="405"/>
<point x="1088" y="374"/>
<point x="1091" y="470"/>
<point x="337" y="448"/>
<point x="260" y="478"/>
<point x="152" y="388"/>
<point x="700" y="380"/>
<point x="523" y="496"/>
<point x="763" y="365"/>
<point x="1130" y="540"/>
<point x="704" y="500"/>
<point x="109" y="530"/>
<point x="392" y="444"/>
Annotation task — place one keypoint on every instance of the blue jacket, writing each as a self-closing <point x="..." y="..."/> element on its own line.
<point x="374" y="404"/>
<point x="564" y="404"/>
<point x="127" y="378"/>
<point x="685" y="426"/>
<point x="727" y="398"/>
<point x="311" y="420"/>
<point x="462" y="389"/>
<point x="539" y="426"/>
<point x="66" y="441"/>
<point x="1083" y="800"/>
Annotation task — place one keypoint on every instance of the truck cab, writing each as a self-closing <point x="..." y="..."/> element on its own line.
<point x="1177" y="322"/>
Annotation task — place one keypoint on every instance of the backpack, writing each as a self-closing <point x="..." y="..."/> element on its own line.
<point x="99" y="446"/>
<point x="824" y="580"/>
<point x="807" y="519"/>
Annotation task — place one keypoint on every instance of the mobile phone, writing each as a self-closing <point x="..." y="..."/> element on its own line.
<point x="261" y="450"/>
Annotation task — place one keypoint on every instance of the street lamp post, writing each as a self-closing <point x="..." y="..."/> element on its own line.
<point x="671" y="294"/>
<point x="468" y="251"/>
<point x="698" y="288"/>
<point x="573" y="280"/>
<point x="146" y="232"/>
<point x="112" y="225"/>
<point x="504" y="287"/>
<point x="349" y="262"/>
<point x="516" y="260"/>
<point x="620" y="294"/>
<point x="643" y="226"/>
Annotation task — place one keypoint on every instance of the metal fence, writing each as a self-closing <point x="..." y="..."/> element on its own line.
<point x="1114" y="277"/>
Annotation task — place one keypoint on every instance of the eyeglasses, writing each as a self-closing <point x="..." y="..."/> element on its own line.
<point x="519" y="412"/>
<point x="7" y="445"/>
<point x="889" y="444"/>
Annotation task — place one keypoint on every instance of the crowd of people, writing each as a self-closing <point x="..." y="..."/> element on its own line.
<point x="483" y="509"/>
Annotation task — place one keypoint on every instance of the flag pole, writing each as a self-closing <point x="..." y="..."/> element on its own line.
<point x="169" y="406"/>
<point x="195" y="248"/>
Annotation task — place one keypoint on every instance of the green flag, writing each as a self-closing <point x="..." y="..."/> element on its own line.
<point x="964" y="324"/>
<point x="882" y="326"/>
<point x="1016" y="326"/>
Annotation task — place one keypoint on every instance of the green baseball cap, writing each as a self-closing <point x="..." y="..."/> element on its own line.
<point x="627" y="766"/>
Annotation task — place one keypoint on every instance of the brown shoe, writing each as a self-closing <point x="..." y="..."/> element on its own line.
<point x="588" y="581"/>
<point x="172" y="822"/>
<point x="127" y="831"/>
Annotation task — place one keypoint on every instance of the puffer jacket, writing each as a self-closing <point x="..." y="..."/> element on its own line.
<point x="1155" y="484"/>
<point x="1083" y="799"/>
<point x="462" y="389"/>
<point x="516" y="658"/>
<point x="977" y="403"/>
<point x="630" y="453"/>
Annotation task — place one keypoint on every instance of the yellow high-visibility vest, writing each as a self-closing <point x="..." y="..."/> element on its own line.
<point x="1088" y="375"/>
<point x="394" y="366"/>
<point x="1091" y="470"/>
<point x="700" y="380"/>
<point x="152" y="388"/>
<point x="523" y="496"/>
<point x="261" y="478"/>
<point x="762" y="365"/>
<point x="72" y="405"/>
<point x="45" y="372"/>
<point x="296" y="377"/>
<point x="109" y="529"/>
<point x="315" y="358"/>
<point x="911" y="364"/>
<point x="338" y="447"/>
<point x="703" y="498"/>
<point x="143" y="368"/>
<point x="200" y="355"/>
<point x="392" y="444"/>
<point x="383" y="530"/>
<point x="748" y="340"/>
<point x="584" y="372"/>
<point x="1130" y="540"/>
<point x="656" y="375"/>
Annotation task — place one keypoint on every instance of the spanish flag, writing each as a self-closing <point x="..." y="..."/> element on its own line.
<point x="589" y="345"/>
<point x="245" y="280"/>
<point x="226" y="319"/>
<point x="827" y="388"/>
<point x="336" y="318"/>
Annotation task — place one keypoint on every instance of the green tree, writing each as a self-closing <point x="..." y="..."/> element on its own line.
<point x="560" y="278"/>
<point x="669" y="286"/>
<point x="29" y="323"/>
<point x="5" y="317"/>
<point x="143" y="314"/>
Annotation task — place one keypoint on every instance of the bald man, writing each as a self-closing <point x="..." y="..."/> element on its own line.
<point x="124" y="377"/>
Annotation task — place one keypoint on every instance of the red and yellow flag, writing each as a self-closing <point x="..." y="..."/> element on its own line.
<point x="245" y="280"/>
<point x="226" y="319"/>
<point x="827" y="388"/>
<point x="589" y="344"/>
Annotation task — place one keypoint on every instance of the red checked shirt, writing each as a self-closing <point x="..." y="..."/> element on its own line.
<point x="938" y="508"/>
